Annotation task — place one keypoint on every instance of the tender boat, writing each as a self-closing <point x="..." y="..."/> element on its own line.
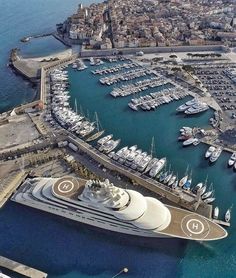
<point x="209" y="152"/>
<point x="216" y="213"/>
<point x="228" y="215"/>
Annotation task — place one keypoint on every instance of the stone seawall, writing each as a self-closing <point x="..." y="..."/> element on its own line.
<point x="149" y="50"/>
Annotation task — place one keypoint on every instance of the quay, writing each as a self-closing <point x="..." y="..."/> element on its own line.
<point x="21" y="269"/>
<point x="181" y="198"/>
<point x="8" y="186"/>
<point x="184" y="199"/>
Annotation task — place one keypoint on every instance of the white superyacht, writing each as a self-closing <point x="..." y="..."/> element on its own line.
<point x="103" y="205"/>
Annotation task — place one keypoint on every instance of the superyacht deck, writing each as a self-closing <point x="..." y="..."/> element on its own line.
<point x="60" y="196"/>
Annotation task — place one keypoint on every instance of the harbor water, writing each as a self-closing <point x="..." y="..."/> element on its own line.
<point x="66" y="249"/>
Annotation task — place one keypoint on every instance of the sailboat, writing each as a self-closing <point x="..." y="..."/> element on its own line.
<point x="154" y="160"/>
<point x="184" y="179"/>
<point x="188" y="183"/>
<point x="209" y="193"/>
<point x="98" y="128"/>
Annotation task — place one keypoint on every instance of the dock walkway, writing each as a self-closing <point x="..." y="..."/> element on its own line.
<point x="184" y="199"/>
<point x="10" y="185"/>
<point x="21" y="268"/>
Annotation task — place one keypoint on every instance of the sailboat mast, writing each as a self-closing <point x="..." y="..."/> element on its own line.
<point x="76" y="106"/>
<point x="152" y="151"/>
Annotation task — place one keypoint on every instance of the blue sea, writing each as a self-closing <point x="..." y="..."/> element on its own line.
<point x="66" y="249"/>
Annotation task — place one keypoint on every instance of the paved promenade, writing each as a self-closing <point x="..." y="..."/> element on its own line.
<point x="21" y="269"/>
<point x="182" y="198"/>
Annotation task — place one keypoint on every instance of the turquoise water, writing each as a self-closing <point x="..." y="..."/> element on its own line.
<point x="42" y="46"/>
<point x="66" y="249"/>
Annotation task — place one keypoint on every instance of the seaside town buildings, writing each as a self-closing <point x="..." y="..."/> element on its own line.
<point x="149" y="23"/>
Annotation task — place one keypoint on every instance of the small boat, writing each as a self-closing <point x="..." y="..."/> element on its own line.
<point x="172" y="180"/>
<point x="188" y="183"/>
<point x="198" y="187"/>
<point x="163" y="176"/>
<point x="216" y="154"/>
<point x="190" y="141"/>
<point x="232" y="160"/>
<point x="207" y="194"/>
<point x="209" y="200"/>
<point x="167" y="178"/>
<point x="216" y="213"/>
<point x="175" y="184"/>
<point x="104" y="139"/>
<point x="203" y="190"/>
<point x="183" y="181"/>
<point x="209" y="152"/>
<point x="228" y="215"/>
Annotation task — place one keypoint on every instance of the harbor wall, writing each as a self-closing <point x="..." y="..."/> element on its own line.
<point x="21" y="268"/>
<point x="150" y="50"/>
<point x="148" y="183"/>
<point x="47" y="68"/>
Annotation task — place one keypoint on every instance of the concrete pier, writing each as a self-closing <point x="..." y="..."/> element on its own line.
<point x="182" y="198"/>
<point x="11" y="184"/>
<point x="21" y="268"/>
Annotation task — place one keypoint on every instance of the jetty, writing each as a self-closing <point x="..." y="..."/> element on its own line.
<point x="9" y="185"/>
<point x="21" y="269"/>
<point x="153" y="100"/>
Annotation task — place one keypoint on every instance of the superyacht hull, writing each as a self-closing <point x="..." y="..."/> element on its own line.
<point x="87" y="218"/>
<point x="59" y="198"/>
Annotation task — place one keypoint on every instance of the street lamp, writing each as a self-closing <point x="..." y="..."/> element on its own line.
<point x="124" y="270"/>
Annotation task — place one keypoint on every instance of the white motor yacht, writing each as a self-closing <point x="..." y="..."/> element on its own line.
<point x="106" y="206"/>
<point x="209" y="151"/>
<point x="232" y="159"/>
<point x="216" y="154"/>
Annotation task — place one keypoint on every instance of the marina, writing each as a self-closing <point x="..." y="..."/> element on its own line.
<point x="74" y="246"/>
<point x="133" y="160"/>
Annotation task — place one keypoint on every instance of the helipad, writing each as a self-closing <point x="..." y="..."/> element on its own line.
<point x="195" y="226"/>
<point x="66" y="186"/>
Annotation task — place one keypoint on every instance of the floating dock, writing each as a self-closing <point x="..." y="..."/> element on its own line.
<point x="21" y="268"/>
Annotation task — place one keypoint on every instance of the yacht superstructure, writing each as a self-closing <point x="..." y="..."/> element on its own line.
<point x="109" y="207"/>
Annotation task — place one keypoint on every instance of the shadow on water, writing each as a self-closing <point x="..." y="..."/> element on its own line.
<point x="65" y="245"/>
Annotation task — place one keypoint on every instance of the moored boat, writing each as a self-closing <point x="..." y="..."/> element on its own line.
<point x="228" y="215"/>
<point x="232" y="159"/>
<point x="216" y="213"/>
<point x="216" y="154"/>
<point x="209" y="151"/>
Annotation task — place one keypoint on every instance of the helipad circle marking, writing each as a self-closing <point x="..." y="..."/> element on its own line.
<point x="195" y="226"/>
<point x="65" y="186"/>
